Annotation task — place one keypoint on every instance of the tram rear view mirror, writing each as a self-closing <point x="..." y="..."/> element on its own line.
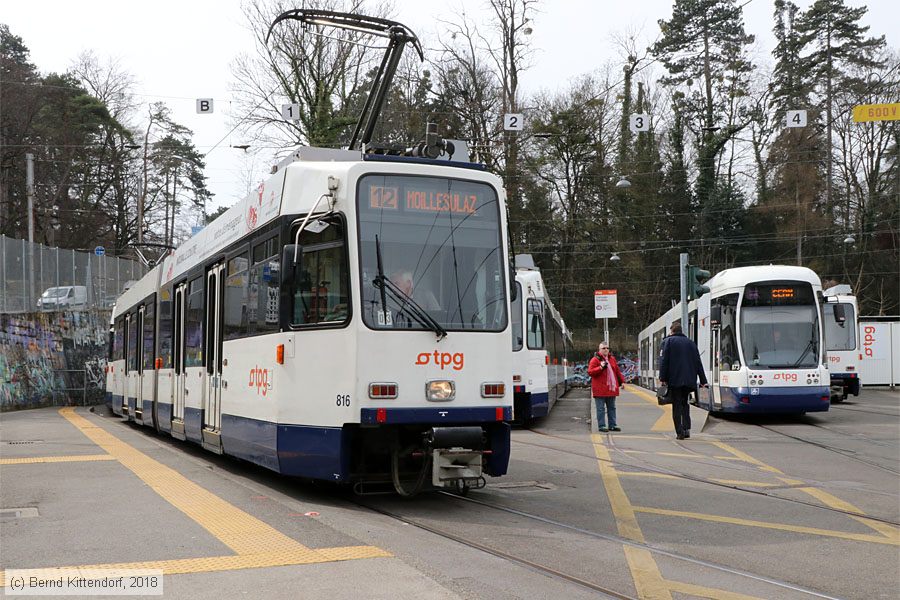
<point x="513" y="288"/>
<point x="715" y="315"/>
<point x="839" y="314"/>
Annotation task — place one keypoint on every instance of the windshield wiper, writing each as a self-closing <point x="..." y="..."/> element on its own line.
<point x="402" y="298"/>
<point x="409" y="306"/>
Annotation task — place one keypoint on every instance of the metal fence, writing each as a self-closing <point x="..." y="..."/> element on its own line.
<point x="36" y="277"/>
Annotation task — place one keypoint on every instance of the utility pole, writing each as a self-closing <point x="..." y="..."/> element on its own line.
<point x="140" y="212"/>
<point x="682" y="268"/>
<point x="29" y="192"/>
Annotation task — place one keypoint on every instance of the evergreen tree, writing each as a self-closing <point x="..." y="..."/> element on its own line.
<point x="838" y="41"/>
<point x="705" y="41"/>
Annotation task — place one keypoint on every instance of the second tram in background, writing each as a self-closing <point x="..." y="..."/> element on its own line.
<point x="541" y="346"/>
<point x="842" y="342"/>
<point x="760" y="335"/>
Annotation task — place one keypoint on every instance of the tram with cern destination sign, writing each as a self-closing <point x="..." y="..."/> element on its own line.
<point x="542" y="345"/>
<point x="761" y="339"/>
<point x="348" y="321"/>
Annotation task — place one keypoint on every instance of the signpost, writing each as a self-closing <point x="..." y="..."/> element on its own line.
<point x="606" y="308"/>
<point x="513" y="121"/>
<point x="864" y="113"/>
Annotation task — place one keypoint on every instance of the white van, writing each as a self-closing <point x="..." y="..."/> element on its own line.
<point x="65" y="297"/>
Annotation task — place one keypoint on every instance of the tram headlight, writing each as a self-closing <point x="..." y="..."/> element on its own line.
<point x="441" y="390"/>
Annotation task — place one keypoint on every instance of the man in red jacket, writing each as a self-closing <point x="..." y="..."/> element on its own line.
<point x="606" y="381"/>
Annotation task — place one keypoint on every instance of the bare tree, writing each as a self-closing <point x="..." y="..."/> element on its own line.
<point x="321" y="69"/>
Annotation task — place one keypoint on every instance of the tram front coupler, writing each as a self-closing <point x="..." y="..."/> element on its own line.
<point x="456" y="456"/>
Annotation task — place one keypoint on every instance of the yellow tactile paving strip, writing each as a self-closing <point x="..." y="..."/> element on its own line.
<point x="255" y="543"/>
<point x="55" y="459"/>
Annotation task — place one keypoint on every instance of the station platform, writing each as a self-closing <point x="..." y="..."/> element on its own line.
<point x="85" y="492"/>
<point x="638" y="411"/>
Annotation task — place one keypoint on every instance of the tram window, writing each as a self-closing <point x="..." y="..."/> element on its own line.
<point x="320" y="290"/>
<point x="193" y="327"/>
<point x="535" y="324"/>
<point x="658" y="338"/>
<point x="165" y="327"/>
<point x="265" y="278"/>
<point x="236" y="295"/>
<point x="119" y="340"/>
<point x="149" y="329"/>
<point x="517" y="341"/>
<point x="132" y="344"/>
<point x="728" y="348"/>
<point x="840" y="335"/>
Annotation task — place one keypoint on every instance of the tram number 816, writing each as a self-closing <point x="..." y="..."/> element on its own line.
<point x="342" y="400"/>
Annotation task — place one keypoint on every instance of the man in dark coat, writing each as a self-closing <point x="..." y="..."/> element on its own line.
<point x="679" y="368"/>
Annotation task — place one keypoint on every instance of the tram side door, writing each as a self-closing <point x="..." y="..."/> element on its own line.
<point x="715" y="360"/>
<point x="178" y="359"/>
<point x="212" y="405"/>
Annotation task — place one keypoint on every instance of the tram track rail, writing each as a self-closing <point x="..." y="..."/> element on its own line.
<point x="841" y="451"/>
<point x="784" y="585"/>
<point x="649" y="467"/>
<point x="540" y="568"/>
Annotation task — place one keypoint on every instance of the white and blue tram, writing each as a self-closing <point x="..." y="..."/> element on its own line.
<point x="541" y="345"/>
<point x="348" y="321"/>
<point x="842" y="342"/>
<point x="760" y="335"/>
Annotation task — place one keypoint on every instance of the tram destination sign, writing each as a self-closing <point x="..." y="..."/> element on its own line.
<point x="424" y="200"/>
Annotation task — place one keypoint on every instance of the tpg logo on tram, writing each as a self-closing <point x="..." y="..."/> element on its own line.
<point x="259" y="378"/>
<point x="442" y="359"/>
<point x="792" y="377"/>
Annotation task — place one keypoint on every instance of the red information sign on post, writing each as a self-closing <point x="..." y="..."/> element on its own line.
<point x="605" y="304"/>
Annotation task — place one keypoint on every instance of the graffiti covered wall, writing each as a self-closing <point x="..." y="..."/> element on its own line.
<point x="48" y="358"/>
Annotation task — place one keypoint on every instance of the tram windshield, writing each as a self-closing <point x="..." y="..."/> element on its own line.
<point x="438" y="241"/>
<point x="840" y="335"/>
<point x="779" y="326"/>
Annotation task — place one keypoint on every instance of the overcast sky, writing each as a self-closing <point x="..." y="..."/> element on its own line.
<point x="181" y="50"/>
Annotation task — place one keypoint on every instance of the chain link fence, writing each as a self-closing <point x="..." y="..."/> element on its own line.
<point x="38" y="278"/>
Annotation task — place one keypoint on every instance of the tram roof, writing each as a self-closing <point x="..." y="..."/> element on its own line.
<point x="738" y="277"/>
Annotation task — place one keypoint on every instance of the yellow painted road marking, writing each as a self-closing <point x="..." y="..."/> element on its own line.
<point x="645" y="474"/>
<point x="885" y="529"/>
<point x="664" y="422"/>
<point x="55" y="459"/>
<point x="859" y="537"/>
<point x="745" y="457"/>
<point x="240" y="531"/>
<point x="705" y="592"/>
<point x="647" y="578"/>
<point x="744" y="483"/>
<point x="228" y="563"/>
<point x="890" y="532"/>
